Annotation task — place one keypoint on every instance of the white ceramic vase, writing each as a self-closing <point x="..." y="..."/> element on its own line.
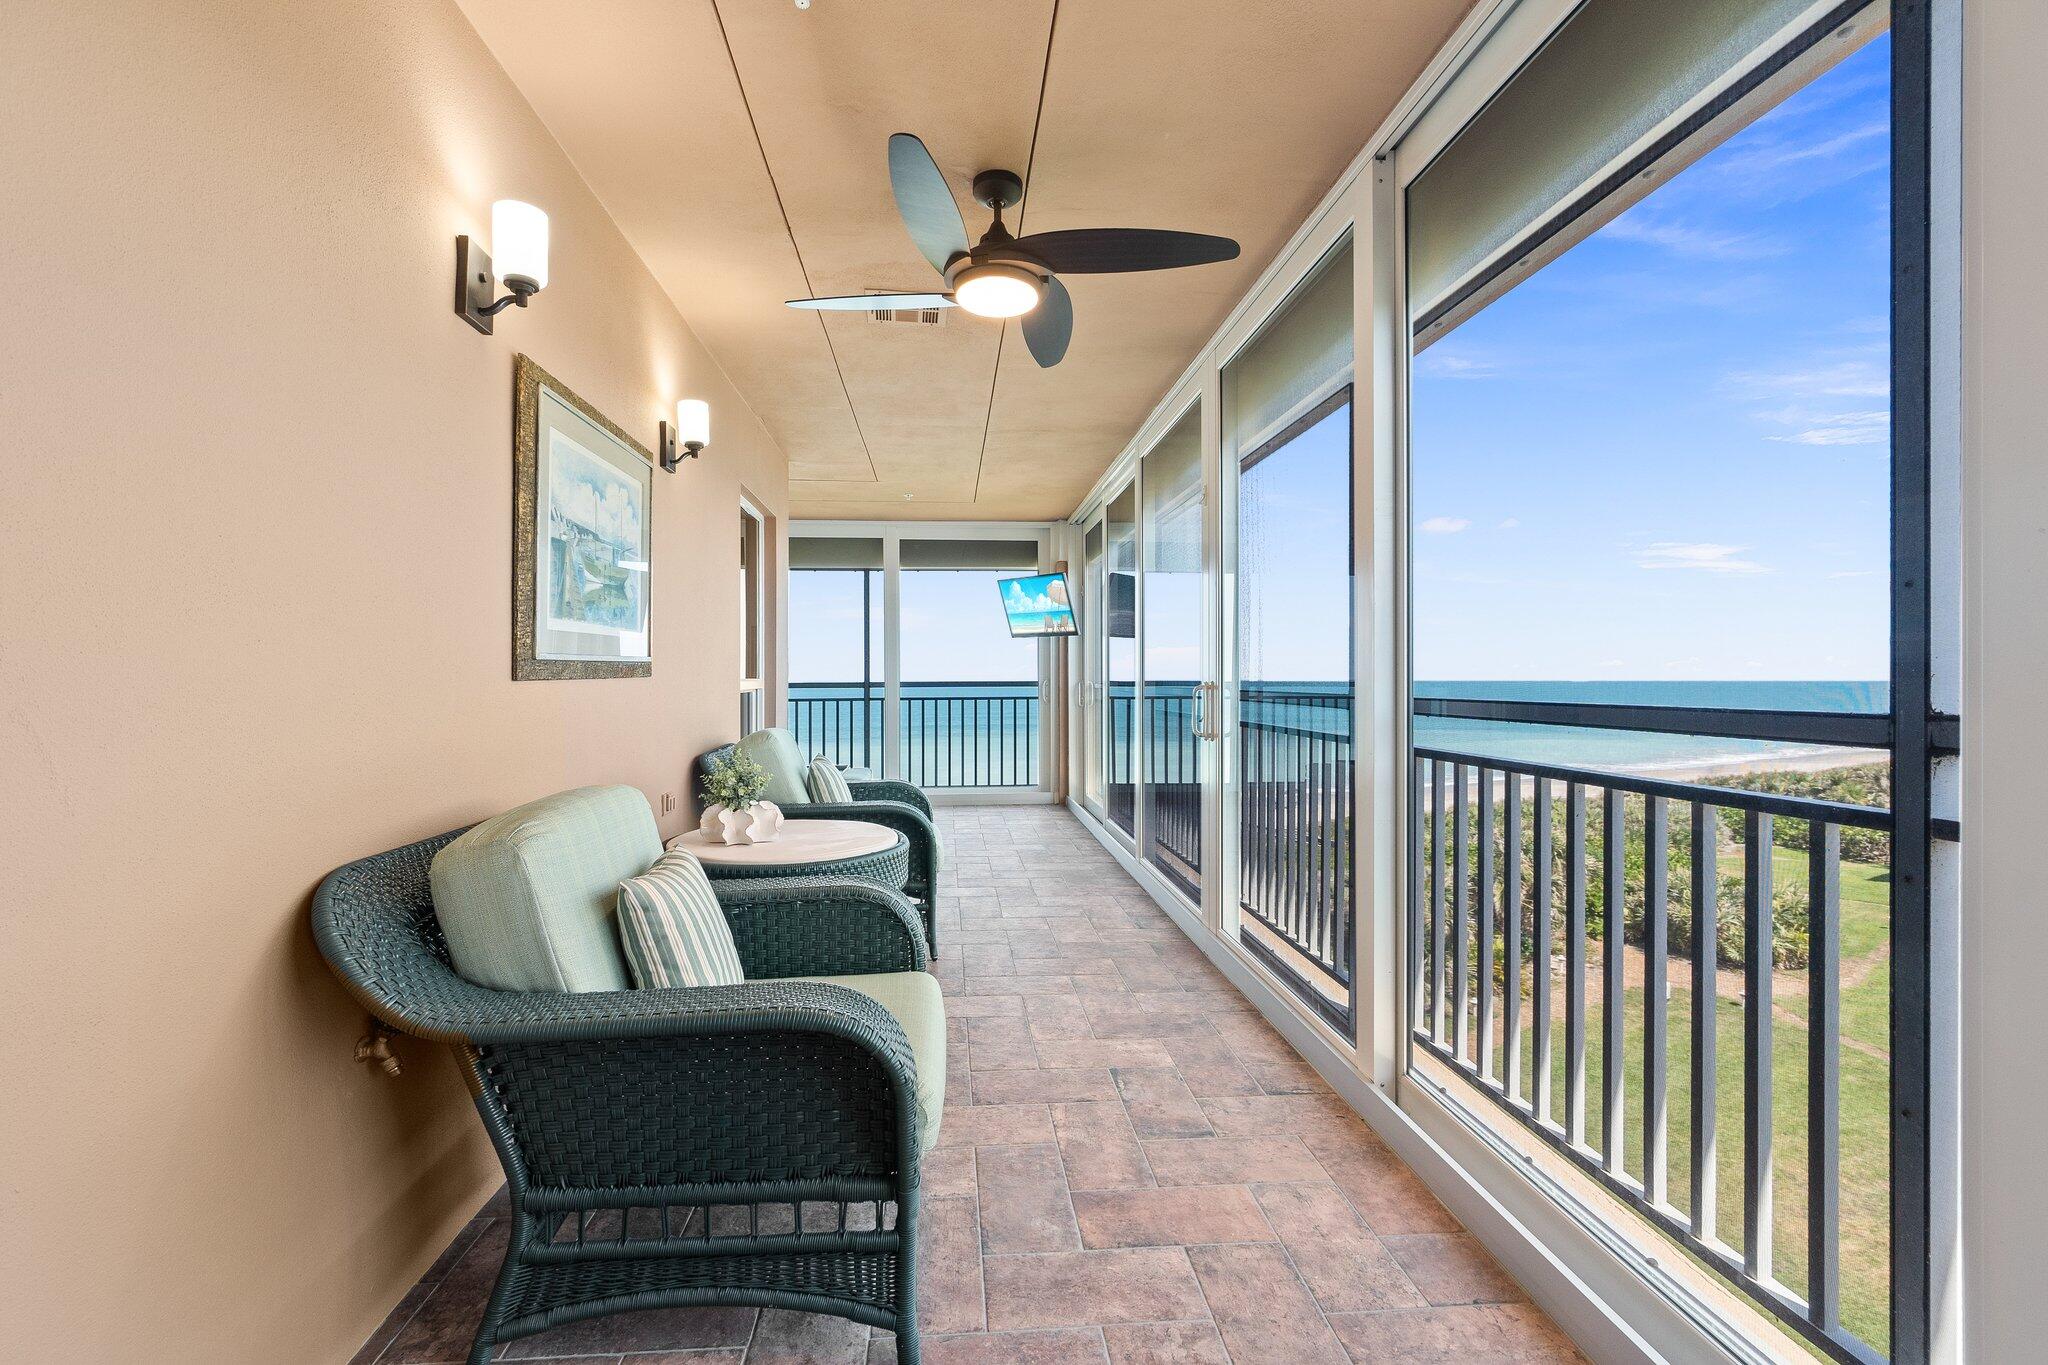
<point x="755" y="824"/>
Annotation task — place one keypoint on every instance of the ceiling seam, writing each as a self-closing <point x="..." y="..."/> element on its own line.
<point x="739" y="81"/>
<point x="1030" y="160"/>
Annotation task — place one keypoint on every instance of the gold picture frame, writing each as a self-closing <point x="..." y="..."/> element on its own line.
<point x="582" y="537"/>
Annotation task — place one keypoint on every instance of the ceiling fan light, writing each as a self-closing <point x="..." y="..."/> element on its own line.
<point x="997" y="291"/>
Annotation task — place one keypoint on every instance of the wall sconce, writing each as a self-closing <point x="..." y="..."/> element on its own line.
<point x="519" y="234"/>
<point x="691" y="430"/>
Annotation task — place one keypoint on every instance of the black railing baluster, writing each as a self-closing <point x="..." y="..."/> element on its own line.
<point x="1706" y="1001"/>
<point x="1613" y="1038"/>
<point x="1436" y="899"/>
<point x="1542" y="869"/>
<point x="1416" y="890"/>
<point x="1756" y="1046"/>
<point x="1824" y="1074"/>
<point x="1461" y="999"/>
<point x="1656" y="909"/>
<point x="1511" y="940"/>
<point x="1575" y="964"/>
<point x="1485" y="925"/>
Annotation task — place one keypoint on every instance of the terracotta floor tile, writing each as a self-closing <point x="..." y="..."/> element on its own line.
<point x="1534" y="1338"/>
<point x="1024" y="1203"/>
<point x="1230" y="1161"/>
<point x="1164" y="1343"/>
<point x="1094" y="1163"/>
<point x="1021" y="1055"/>
<point x="1452" y="1268"/>
<point x="1345" y="1266"/>
<point x="785" y="1337"/>
<point x="1385" y="1192"/>
<point x="1079" y="1287"/>
<point x="1301" y="1115"/>
<point x="949" y="1267"/>
<point x="947" y="1173"/>
<point x="1261" y="1307"/>
<point x="1069" y="1346"/>
<point x="1424" y="1336"/>
<point x="1205" y="1079"/>
<point x="1013" y="1125"/>
<point x="1160" y="1103"/>
<point x="662" y="1329"/>
<point x="1044" y="1086"/>
<point x="1109" y="1052"/>
<point x="1184" y="1216"/>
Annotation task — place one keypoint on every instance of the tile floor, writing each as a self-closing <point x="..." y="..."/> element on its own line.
<point x="1134" y="1167"/>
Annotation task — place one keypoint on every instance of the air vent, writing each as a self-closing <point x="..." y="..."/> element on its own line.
<point x="917" y="317"/>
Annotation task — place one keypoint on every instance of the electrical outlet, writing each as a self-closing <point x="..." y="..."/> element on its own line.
<point x="668" y="803"/>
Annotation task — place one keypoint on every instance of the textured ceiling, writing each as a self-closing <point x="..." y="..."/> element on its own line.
<point x="740" y="145"/>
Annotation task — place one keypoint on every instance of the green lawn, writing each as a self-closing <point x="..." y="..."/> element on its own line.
<point x="1865" y="1130"/>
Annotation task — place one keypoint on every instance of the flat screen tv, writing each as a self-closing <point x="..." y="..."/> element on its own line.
<point x="1038" y="605"/>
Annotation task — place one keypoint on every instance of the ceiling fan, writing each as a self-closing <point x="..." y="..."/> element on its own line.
<point x="1002" y="276"/>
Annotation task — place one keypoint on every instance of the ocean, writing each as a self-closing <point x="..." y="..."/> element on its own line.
<point x="974" y="714"/>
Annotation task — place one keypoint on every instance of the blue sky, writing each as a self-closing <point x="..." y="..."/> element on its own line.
<point x="1665" y="455"/>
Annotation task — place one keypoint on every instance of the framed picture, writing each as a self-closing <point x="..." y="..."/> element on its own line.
<point x="582" y="537"/>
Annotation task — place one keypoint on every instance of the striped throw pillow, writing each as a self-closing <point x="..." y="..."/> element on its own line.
<point x="671" y="928"/>
<point x="826" y="783"/>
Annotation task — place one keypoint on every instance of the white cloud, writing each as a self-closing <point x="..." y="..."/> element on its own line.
<point x="1696" y="242"/>
<point x="1444" y="526"/>
<point x="1845" y="429"/>
<point x="1446" y="360"/>
<point x="1701" y="557"/>
<point x="1849" y="378"/>
<point x="1510" y="523"/>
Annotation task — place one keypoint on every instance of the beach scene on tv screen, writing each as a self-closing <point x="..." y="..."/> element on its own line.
<point x="1038" y="606"/>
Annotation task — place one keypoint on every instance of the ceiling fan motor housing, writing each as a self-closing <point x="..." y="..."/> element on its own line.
<point x="998" y="189"/>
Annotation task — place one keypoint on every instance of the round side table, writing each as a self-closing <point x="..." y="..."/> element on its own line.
<point x="809" y="848"/>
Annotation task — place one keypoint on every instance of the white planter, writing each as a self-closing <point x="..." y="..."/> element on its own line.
<point x="755" y="824"/>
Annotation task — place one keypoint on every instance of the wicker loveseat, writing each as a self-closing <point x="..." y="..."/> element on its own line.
<point x="898" y="805"/>
<point x="755" y="1144"/>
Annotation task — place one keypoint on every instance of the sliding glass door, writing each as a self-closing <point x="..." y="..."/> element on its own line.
<point x="1118" y="621"/>
<point x="1176" y="687"/>
<point x="1093" y="642"/>
<point x="902" y="663"/>
<point x="1289" y="805"/>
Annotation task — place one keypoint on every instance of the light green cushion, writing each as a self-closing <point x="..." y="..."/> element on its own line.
<point x="913" y="997"/>
<point x="672" y="929"/>
<point x="826" y="783"/>
<point x="526" y="899"/>
<point x="776" y="751"/>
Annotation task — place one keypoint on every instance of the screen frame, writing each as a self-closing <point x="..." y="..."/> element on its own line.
<point x="1073" y="617"/>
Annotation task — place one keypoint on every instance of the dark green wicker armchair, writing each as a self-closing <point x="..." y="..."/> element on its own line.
<point x="752" y="1145"/>
<point x="901" y="807"/>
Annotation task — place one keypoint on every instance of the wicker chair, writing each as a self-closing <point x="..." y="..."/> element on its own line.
<point x="749" y="1145"/>
<point x="900" y="806"/>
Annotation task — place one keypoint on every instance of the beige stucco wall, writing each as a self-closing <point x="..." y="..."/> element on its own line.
<point x="255" y="550"/>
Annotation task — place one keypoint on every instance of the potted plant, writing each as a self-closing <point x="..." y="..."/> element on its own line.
<point x="734" y="812"/>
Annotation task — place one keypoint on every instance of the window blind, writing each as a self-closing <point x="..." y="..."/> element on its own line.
<point x="1608" y="82"/>
<point x="1302" y="353"/>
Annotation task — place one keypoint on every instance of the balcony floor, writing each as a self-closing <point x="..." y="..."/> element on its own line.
<point x="1134" y="1167"/>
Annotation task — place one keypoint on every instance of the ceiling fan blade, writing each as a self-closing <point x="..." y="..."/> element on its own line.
<point x="873" y="303"/>
<point x="1112" y="251"/>
<point x="1049" y="326"/>
<point x="927" y="206"/>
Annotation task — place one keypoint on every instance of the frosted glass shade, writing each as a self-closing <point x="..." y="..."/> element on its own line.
<point x="519" y="242"/>
<point x="996" y="291"/>
<point x="693" y="422"/>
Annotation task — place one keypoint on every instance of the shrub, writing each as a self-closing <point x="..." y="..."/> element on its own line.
<point x="734" y="781"/>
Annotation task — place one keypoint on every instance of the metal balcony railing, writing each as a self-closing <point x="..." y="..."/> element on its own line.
<point x="1548" y="907"/>
<point x="951" y="734"/>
